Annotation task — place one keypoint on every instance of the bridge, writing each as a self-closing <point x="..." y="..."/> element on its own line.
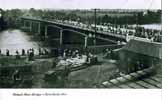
<point x="68" y="33"/>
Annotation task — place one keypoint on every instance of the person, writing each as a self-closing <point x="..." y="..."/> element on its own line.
<point x="16" y="75"/>
<point x="73" y="54"/>
<point x="27" y="52"/>
<point x="64" y="54"/>
<point x="32" y="51"/>
<point x="89" y="56"/>
<point x="23" y="52"/>
<point x="17" y="54"/>
<point x="7" y="52"/>
<point x="69" y="53"/>
<point x="31" y="54"/>
<point x="109" y="53"/>
<point x="46" y="52"/>
<point x="40" y="51"/>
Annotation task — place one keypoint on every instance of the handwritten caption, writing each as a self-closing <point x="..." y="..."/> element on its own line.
<point x="39" y="94"/>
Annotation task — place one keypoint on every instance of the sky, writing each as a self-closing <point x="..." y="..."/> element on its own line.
<point x="81" y="4"/>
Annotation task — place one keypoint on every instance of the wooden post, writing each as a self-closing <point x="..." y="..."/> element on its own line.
<point x="95" y="16"/>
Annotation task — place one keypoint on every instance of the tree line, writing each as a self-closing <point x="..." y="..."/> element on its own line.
<point x="10" y="18"/>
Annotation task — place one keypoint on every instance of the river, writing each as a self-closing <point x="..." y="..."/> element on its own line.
<point x="14" y="39"/>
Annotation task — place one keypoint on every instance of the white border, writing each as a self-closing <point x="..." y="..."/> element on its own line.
<point x="82" y="94"/>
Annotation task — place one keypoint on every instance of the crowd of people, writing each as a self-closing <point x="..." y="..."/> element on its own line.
<point x="61" y="53"/>
<point x="30" y="53"/>
<point x="76" y="56"/>
<point x="137" y="30"/>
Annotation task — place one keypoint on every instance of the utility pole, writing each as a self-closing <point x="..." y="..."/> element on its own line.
<point x="136" y="22"/>
<point x="161" y="19"/>
<point x="0" y="20"/>
<point x="95" y="20"/>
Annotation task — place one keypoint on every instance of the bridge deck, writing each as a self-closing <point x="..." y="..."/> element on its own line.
<point x="77" y="27"/>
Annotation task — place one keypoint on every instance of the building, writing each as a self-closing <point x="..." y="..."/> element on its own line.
<point x="140" y="54"/>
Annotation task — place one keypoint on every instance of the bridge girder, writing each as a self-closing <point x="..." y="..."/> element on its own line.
<point x="63" y="28"/>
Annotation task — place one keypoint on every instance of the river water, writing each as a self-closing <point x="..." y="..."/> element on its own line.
<point x="16" y="40"/>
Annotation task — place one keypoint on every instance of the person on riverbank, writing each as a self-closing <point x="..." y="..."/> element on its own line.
<point x="23" y="52"/>
<point x="64" y="54"/>
<point x="32" y="51"/>
<point x="46" y="52"/>
<point x="40" y="51"/>
<point x="17" y="54"/>
<point x="16" y="75"/>
<point x="31" y="54"/>
<point x="7" y="52"/>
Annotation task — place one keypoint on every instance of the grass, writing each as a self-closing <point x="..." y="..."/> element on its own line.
<point x="11" y="60"/>
<point x="85" y="78"/>
<point x="92" y="76"/>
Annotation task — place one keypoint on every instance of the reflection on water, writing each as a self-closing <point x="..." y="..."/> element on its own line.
<point x="15" y="40"/>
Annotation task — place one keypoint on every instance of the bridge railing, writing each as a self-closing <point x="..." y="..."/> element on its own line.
<point x="111" y="30"/>
<point x="80" y="26"/>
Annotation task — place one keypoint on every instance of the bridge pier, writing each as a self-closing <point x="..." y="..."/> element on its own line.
<point x="97" y="38"/>
<point x="46" y="32"/>
<point x="39" y="28"/>
<point x="94" y="40"/>
<point x="27" y="25"/>
<point x="36" y="28"/>
<point x="30" y="26"/>
<point x="24" y="23"/>
<point x="61" y="34"/>
<point x="85" y="41"/>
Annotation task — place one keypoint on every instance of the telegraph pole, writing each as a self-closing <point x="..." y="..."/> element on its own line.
<point x="0" y="20"/>
<point x="95" y="20"/>
<point x="161" y="18"/>
<point x="136" y="22"/>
